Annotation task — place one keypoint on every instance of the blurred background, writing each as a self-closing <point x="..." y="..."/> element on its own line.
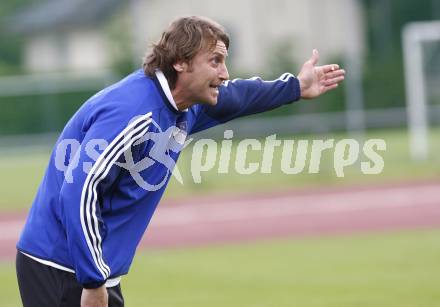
<point x="357" y="240"/>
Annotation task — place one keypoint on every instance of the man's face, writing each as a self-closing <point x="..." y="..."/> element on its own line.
<point x="201" y="79"/>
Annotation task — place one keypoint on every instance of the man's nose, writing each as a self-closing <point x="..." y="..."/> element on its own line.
<point x="223" y="73"/>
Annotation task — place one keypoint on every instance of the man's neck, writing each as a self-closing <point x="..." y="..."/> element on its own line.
<point x="175" y="97"/>
<point x="181" y="99"/>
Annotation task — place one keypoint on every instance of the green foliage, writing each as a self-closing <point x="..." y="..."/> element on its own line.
<point x="119" y="34"/>
<point x="10" y="45"/>
<point x="384" y="84"/>
<point x="385" y="19"/>
<point x="10" y="54"/>
<point x="38" y="113"/>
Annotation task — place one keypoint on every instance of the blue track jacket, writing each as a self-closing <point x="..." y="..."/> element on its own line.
<point x="110" y="166"/>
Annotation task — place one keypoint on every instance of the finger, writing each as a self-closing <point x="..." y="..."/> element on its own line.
<point x="315" y="57"/>
<point x="334" y="74"/>
<point x="332" y="81"/>
<point x="329" y="88"/>
<point x="330" y="67"/>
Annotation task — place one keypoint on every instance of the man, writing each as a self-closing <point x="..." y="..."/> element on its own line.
<point x="87" y="219"/>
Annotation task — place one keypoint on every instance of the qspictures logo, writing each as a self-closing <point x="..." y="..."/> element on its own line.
<point x="296" y="154"/>
<point x="153" y="168"/>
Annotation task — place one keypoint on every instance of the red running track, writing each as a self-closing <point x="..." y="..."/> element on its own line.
<point x="207" y="220"/>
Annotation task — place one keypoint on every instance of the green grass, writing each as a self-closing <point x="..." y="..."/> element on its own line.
<point x="360" y="270"/>
<point x="20" y="176"/>
<point x="394" y="269"/>
<point x="21" y="172"/>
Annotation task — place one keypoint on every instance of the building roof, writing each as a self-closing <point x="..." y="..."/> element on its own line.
<point x="61" y="14"/>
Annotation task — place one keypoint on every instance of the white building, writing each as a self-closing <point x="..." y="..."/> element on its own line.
<point x="67" y="35"/>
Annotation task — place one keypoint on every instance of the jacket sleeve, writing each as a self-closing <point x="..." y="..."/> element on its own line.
<point x="242" y="97"/>
<point x="81" y="199"/>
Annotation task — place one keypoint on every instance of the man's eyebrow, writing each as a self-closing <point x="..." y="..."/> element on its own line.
<point x="225" y="54"/>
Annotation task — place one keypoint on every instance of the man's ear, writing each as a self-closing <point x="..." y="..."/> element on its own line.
<point x="180" y="66"/>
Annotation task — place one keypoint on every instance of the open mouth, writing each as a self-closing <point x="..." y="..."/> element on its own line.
<point x="215" y="87"/>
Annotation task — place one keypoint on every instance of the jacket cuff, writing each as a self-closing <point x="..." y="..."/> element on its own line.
<point x="297" y="89"/>
<point x="93" y="285"/>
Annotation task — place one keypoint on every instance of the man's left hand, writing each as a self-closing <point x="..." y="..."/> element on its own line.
<point x="317" y="80"/>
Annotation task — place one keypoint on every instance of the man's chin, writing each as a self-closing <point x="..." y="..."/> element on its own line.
<point x="211" y="101"/>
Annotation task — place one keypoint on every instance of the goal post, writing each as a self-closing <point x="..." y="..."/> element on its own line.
<point x="414" y="35"/>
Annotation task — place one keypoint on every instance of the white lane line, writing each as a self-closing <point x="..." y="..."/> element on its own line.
<point x="417" y="197"/>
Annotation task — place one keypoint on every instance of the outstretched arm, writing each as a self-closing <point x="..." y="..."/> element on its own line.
<point x="316" y="80"/>
<point x="239" y="97"/>
<point x="242" y="97"/>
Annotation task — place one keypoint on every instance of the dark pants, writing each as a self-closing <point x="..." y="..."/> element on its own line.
<point x="41" y="285"/>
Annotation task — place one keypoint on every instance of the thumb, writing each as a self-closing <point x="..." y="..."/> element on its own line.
<point x="315" y="57"/>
